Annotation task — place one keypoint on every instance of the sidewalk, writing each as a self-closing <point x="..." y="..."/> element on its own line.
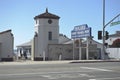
<point x="27" y="62"/>
<point x="94" y="61"/>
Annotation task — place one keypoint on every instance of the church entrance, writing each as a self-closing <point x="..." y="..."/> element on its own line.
<point x="83" y="54"/>
<point x="60" y="56"/>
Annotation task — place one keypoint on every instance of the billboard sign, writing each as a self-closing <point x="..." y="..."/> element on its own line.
<point x="81" y="31"/>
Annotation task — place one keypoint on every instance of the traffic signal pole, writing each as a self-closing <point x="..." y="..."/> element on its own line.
<point x="103" y="29"/>
<point x="104" y="25"/>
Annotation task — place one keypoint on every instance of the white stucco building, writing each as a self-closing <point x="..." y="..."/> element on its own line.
<point x="113" y="48"/>
<point x="6" y="45"/>
<point x="26" y="47"/>
<point x="47" y="32"/>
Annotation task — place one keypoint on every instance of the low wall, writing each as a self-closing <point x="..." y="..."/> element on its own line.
<point x="113" y="53"/>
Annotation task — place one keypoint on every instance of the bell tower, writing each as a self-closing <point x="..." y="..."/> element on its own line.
<point x="47" y="31"/>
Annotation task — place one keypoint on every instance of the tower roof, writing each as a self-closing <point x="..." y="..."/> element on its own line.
<point x="47" y="15"/>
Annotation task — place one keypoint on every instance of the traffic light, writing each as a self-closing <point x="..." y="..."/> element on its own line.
<point x="106" y="35"/>
<point x="99" y="35"/>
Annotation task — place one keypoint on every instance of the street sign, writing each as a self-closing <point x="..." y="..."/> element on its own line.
<point x="115" y="23"/>
<point x="81" y="31"/>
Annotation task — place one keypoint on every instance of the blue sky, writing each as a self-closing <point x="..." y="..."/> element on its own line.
<point x="18" y="15"/>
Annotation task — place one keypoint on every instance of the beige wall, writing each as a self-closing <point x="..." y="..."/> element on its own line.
<point x="60" y="52"/>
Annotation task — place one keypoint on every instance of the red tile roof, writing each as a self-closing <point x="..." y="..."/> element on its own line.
<point x="47" y="15"/>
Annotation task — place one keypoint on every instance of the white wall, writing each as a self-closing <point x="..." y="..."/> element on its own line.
<point x="114" y="53"/>
<point x="60" y="52"/>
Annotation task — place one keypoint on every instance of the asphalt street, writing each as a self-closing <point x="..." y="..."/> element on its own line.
<point x="62" y="71"/>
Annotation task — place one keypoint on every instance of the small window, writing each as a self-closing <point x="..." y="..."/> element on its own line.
<point x="49" y="35"/>
<point x="36" y="21"/>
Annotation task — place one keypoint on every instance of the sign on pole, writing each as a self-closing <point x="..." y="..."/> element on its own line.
<point x="81" y="31"/>
<point x="115" y="23"/>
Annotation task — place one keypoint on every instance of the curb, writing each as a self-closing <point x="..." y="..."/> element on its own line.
<point x="94" y="61"/>
<point x="55" y="62"/>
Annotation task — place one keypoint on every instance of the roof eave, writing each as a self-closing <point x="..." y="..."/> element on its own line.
<point x="37" y="17"/>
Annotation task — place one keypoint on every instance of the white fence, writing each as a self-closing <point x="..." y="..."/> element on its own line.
<point x="113" y="53"/>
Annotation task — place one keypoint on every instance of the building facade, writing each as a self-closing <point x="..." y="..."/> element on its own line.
<point x="6" y="46"/>
<point x="47" y="32"/>
<point x="113" y="38"/>
<point x="24" y="50"/>
<point x="113" y="47"/>
<point x="27" y="48"/>
<point x="48" y="44"/>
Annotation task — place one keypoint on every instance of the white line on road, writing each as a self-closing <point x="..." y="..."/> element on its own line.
<point x="33" y="73"/>
<point x="98" y="69"/>
<point x="58" y="76"/>
<point x="41" y="73"/>
<point x="106" y="78"/>
<point x="52" y="75"/>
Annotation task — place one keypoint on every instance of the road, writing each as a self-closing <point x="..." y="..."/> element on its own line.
<point x="62" y="71"/>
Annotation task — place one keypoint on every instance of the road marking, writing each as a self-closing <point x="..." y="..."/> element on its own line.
<point x="98" y="69"/>
<point x="106" y="78"/>
<point x="41" y="73"/>
<point x="58" y="76"/>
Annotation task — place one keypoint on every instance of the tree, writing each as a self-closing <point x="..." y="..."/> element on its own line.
<point x="116" y="43"/>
